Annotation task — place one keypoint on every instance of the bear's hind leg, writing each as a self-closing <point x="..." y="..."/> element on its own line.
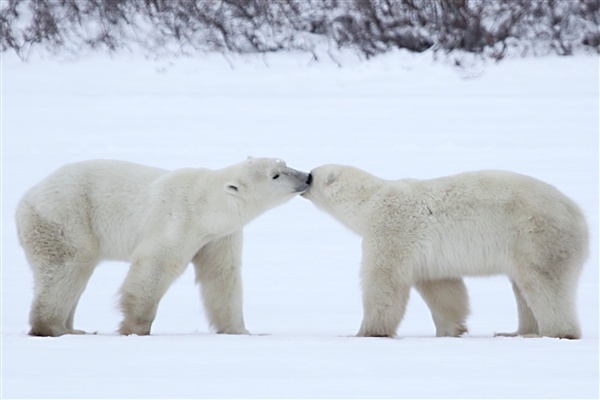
<point x="527" y="323"/>
<point x="552" y="302"/>
<point x="146" y="283"/>
<point x="548" y="260"/>
<point x="218" y="271"/>
<point x="62" y="258"/>
<point x="57" y="294"/>
<point x="449" y="304"/>
<point x="71" y="318"/>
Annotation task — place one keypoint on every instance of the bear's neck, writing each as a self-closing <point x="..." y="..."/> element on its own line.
<point x="354" y="207"/>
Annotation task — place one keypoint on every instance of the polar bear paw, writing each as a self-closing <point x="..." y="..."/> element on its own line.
<point x="454" y="330"/>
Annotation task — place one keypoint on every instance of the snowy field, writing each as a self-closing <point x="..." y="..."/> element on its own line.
<point x="397" y="116"/>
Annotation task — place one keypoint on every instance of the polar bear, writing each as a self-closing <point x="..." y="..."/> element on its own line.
<point x="431" y="233"/>
<point x="157" y="220"/>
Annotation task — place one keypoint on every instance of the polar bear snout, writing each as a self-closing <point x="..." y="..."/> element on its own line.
<point x="302" y="179"/>
<point x="309" y="185"/>
<point x="318" y="179"/>
<point x="306" y="180"/>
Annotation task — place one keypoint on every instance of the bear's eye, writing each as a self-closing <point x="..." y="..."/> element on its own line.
<point x="275" y="176"/>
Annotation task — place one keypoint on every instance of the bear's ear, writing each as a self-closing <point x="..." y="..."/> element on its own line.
<point x="232" y="188"/>
<point x="332" y="177"/>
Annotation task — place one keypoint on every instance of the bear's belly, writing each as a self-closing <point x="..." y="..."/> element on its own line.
<point x="449" y="268"/>
<point x="117" y="238"/>
<point x="456" y="258"/>
<point x="118" y="247"/>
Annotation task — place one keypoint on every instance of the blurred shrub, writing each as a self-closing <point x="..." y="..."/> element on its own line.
<point x="490" y="27"/>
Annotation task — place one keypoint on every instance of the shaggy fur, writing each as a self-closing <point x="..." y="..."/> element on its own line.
<point x="157" y="220"/>
<point x="431" y="233"/>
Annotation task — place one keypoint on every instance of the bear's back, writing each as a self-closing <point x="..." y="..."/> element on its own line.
<point x="105" y="198"/>
<point x="484" y="210"/>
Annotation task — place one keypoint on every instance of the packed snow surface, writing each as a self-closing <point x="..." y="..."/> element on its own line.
<point x="396" y="116"/>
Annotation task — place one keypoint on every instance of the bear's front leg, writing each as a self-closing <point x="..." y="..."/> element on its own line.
<point x="448" y="302"/>
<point x="146" y="283"/>
<point x="218" y="271"/>
<point x="385" y="289"/>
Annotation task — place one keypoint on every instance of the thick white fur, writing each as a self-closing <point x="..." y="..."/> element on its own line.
<point x="157" y="220"/>
<point x="431" y="233"/>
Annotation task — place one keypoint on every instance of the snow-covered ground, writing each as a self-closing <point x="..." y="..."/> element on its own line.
<point x="396" y="116"/>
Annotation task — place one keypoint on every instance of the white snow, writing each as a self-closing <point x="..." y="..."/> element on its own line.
<point x="398" y="115"/>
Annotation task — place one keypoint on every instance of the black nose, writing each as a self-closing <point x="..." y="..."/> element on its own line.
<point x="309" y="179"/>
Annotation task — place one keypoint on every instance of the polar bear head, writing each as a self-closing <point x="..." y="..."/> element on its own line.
<point x="265" y="182"/>
<point x="344" y="192"/>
